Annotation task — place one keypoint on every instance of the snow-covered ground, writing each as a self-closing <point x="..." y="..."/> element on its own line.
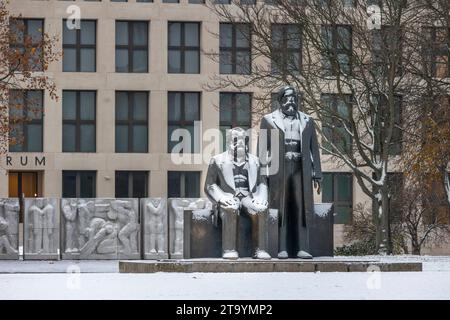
<point x="432" y="283"/>
<point x="272" y="286"/>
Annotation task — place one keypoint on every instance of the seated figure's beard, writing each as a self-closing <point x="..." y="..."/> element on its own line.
<point x="289" y="109"/>
<point x="239" y="153"/>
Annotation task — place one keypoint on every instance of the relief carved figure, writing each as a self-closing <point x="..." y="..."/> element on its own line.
<point x="9" y="228"/>
<point x="41" y="228"/>
<point x="42" y="223"/>
<point x="102" y="238"/>
<point x="100" y="228"/>
<point x="155" y="226"/>
<point x="69" y="209"/>
<point x="128" y="224"/>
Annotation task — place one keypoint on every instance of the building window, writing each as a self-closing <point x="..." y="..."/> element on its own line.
<point x="438" y="41"/>
<point x="235" y="52"/>
<point x="79" y="115"/>
<point x="235" y="111"/>
<point x="184" y="111"/>
<point x="25" y="120"/>
<point x="335" y="120"/>
<point x="79" y="47"/>
<point x="381" y="120"/>
<point x="27" y="40"/>
<point x="170" y="1"/>
<point x="338" y="189"/>
<point x="338" y="49"/>
<point x="184" y="47"/>
<point x="386" y="45"/>
<point x="286" y="41"/>
<point x="196" y="1"/>
<point x="79" y="184"/>
<point x="131" y="121"/>
<point x="131" y="46"/>
<point x="131" y="184"/>
<point x="183" y="184"/>
<point x="436" y="201"/>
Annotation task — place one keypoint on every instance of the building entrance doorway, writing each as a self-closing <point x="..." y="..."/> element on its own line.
<point x="24" y="184"/>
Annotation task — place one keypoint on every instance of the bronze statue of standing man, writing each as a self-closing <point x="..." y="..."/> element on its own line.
<point x="297" y="154"/>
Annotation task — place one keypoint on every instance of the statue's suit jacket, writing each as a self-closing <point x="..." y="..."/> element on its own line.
<point x="311" y="166"/>
<point x="220" y="178"/>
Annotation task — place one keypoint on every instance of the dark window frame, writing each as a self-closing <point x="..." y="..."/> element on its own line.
<point x="20" y="45"/>
<point x="234" y="49"/>
<point x="234" y="121"/>
<point x="337" y="51"/>
<point x="337" y="202"/>
<point x="78" y="122"/>
<point x="130" y="122"/>
<point x="436" y="51"/>
<point x="131" y="175"/>
<point x="182" y="48"/>
<point x="78" y="181"/>
<point x="131" y="47"/>
<point x="78" y="46"/>
<point x="283" y="51"/>
<point x="182" y="177"/>
<point x="337" y="124"/>
<point x="378" y="118"/>
<point x="183" y="123"/>
<point x="24" y="122"/>
<point x="384" y="38"/>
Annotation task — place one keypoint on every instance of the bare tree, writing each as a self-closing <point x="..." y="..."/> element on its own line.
<point x="25" y="56"/>
<point x="357" y="77"/>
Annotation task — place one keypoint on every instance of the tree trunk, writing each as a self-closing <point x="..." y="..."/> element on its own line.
<point x="384" y="244"/>
<point x="415" y="244"/>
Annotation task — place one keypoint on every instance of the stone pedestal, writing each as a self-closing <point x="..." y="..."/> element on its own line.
<point x="204" y="240"/>
<point x="41" y="229"/>
<point x="155" y="228"/>
<point x="321" y="233"/>
<point x="9" y="229"/>
<point x="100" y="229"/>
<point x="272" y="230"/>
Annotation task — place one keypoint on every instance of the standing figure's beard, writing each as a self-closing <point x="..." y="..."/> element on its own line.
<point x="289" y="109"/>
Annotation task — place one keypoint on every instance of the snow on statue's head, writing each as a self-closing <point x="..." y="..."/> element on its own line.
<point x="237" y="141"/>
<point x="288" y="100"/>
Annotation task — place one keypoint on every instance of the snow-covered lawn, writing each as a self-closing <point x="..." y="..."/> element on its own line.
<point x="424" y="285"/>
<point x="53" y="283"/>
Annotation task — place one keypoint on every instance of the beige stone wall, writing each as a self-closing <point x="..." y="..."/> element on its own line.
<point x="106" y="81"/>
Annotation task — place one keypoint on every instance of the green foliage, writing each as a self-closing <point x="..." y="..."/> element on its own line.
<point x="359" y="248"/>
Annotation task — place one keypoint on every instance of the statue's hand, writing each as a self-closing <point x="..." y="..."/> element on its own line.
<point x="255" y="205"/>
<point x="229" y="202"/>
<point x="318" y="185"/>
<point x="263" y="204"/>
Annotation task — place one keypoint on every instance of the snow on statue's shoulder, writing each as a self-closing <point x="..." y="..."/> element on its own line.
<point x="322" y="209"/>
